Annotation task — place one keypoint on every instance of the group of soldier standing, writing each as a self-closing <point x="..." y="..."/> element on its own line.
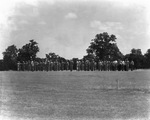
<point x="79" y="65"/>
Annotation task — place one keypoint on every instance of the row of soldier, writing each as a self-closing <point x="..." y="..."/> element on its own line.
<point x="79" y="65"/>
<point x="45" y="65"/>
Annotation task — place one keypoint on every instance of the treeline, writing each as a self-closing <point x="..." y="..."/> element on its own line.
<point x="102" y="48"/>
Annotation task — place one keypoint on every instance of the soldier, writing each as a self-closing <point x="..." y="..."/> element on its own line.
<point x="29" y="65"/>
<point x="59" y="65"/>
<point x="53" y="65"/>
<point x="78" y="66"/>
<point x="26" y="67"/>
<point x="87" y="65"/>
<point x="126" y="64"/>
<point x="37" y="65"/>
<point x="23" y="66"/>
<point x="101" y="65"/>
<point x="123" y="65"/>
<point x="92" y="65"/>
<point x="62" y="65"/>
<point x="115" y="65"/>
<point x="119" y="65"/>
<point x="104" y="65"/>
<point x="132" y="65"/>
<point x="32" y="65"/>
<point x="108" y="63"/>
<point x="56" y="65"/>
<point x="81" y="65"/>
<point x="71" y="65"/>
<point x="18" y="66"/>
<point x="50" y="65"/>
<point x="67" y="65"/>
<point x="46" y="65"/>
<point x="41" y="65"/>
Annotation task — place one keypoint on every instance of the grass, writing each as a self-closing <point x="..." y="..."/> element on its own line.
<point x="75" y="95"/>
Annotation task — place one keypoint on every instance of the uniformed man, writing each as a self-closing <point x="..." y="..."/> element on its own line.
<point x="100" y="65"/>
<point x="32" y="65"/>
<point x="126" y="64"/>
<point x="71" y="65"/>
<point x="132" y="65"/>
<point x="115" y="65"/>
<point x="82" y="65"/>
<point x="68" y="65"/>
<point x="78" y="65"/>
<point x="29" y="65"/>
<point x="18" y="66"/>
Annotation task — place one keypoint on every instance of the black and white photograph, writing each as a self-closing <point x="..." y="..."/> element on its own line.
<point x="74" y="60"/>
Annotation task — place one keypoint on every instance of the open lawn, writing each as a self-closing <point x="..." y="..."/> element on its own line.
<point x="83" y="95"/>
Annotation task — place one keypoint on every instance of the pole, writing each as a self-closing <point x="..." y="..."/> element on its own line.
<point x="117" y="84"/>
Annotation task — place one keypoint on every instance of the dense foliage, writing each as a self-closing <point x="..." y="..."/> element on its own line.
<point x="28" y="51"/>
<point x="104" y="47"/>
<point x="10" y="58"/>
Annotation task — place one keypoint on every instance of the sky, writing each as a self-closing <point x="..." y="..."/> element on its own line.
<point x="66" y="27"/>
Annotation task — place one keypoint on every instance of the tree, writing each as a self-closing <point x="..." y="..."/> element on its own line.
<point x="52" y="56"/>
<point x="136" y="51"/>
<point x="89" y="57"/>
<point x="28" y="51"/>
<point x="10" y="58"/>
<point x="104" y="47"/>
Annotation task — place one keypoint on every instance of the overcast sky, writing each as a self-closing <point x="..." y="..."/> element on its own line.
<point x="66" y="27"/>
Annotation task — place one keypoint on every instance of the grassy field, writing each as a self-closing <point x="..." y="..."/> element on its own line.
<point x="84" y="95"/>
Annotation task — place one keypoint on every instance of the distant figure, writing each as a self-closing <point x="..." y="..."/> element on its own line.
<point x="82" y="65"/>
<point x="115" y="65"/>
<point x="23" y="66"/>
<point x="78" y="66"/>
<point x="18" y="66"/>
<point x="32" y="65"/>
<point x="132" y="65"/>
<point x="126" y="65"/>
<point x="71" y="65"/>
<point x="122" y="65"/>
